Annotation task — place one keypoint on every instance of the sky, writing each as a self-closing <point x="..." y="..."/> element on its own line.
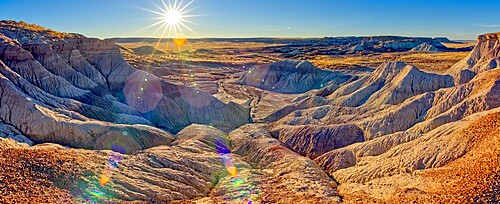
<point x="455" y="19"/>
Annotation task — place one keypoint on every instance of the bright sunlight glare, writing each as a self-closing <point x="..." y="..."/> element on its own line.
<point x="172" y="17"/>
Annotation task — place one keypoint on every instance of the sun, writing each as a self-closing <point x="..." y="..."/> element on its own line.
<point x="172" y="19"/>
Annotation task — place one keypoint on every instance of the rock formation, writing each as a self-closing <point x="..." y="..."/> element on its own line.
<point x="483" y="57"/>
<point x="190" y="168"/>
<point x="410" y="132"/>
<point x="390" y="83"/>
<point x="425" y="47"/>
<point x="356" y="48"/>
<point x="291" y="77"/>
<point x="312" y="141"/>
<point x="394" y="135"/>
<point x="56" y="83"/>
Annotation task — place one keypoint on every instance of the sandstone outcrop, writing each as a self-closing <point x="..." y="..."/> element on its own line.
<point x="406" y="117"/>
<point x="425" y="47"/>
<point x="56" y="83"/>
<point x="312" y="141"/>
<point x="422" y="130"/>
<point x="431" y="150"/>
<point x="483" y="57"/>
<point x="184" y="170"/>
<point x="390" y="83"/>
<point x="290" y="171"/>
<point x="291" y="77"/>
<point x="190" y="168"/>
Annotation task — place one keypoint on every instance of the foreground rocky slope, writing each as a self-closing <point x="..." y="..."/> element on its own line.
<point x="459" y="164"/>
<point x="189" y="168"/>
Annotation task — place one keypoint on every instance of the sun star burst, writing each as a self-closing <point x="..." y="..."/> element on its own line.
<point x="172" y="18"/>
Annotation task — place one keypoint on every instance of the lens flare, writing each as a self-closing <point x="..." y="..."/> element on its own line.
<point x="96" y="193"/>
<point x="225" y="154"/>
<point x="180" y="40"/>
<point x="238" y="181"/>
<point x="241" y="189"/>
<point x="143" y="91"/>
<point x="105" y="177"/>
<point x="232" y="170"/>
<point x="195" y="97"/>
<point x="114" y="160"/>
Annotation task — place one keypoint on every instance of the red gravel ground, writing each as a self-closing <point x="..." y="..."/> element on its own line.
<point x="36" y="175"/>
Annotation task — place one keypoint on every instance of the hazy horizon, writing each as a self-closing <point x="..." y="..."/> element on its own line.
<point x="261" y="19"/>
<point x="286" y="38"/>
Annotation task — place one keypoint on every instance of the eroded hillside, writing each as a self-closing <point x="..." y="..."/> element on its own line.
<point x="80" y="124"/>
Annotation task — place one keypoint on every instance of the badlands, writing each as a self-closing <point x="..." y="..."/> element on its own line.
<point x="85" y="120"/>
